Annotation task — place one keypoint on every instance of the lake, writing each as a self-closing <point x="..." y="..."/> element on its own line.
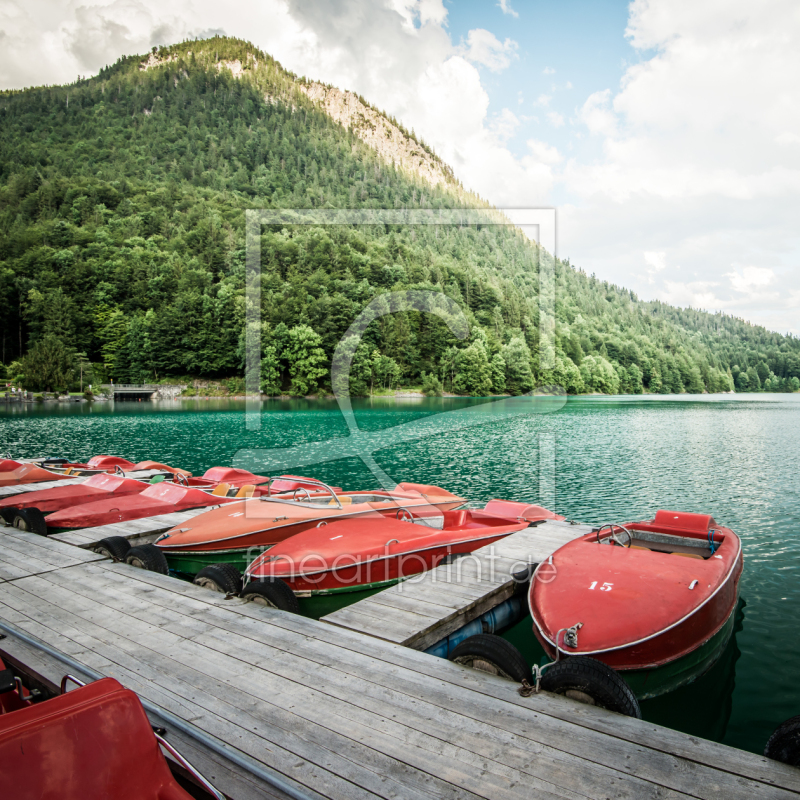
<point x="596" y="459"/>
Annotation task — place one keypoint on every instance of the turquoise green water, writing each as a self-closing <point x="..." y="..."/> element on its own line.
<point x="596" y="459"/>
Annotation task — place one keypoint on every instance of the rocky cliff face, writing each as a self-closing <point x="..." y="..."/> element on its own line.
<point x="379" y="133"/>
<point x="391" y="143"/>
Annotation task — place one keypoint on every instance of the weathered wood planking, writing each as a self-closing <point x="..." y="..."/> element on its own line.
<point x="351" y="716"/>
<point x="423" y="610"/>
<point x="142" y="530"/>
<point x="23" y="554"/>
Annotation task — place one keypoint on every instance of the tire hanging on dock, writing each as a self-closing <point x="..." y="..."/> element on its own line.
<point x="784" y="744"/>
<point x="115" y="547"/>
<point x="30" y="519"/>
<point x="589" y="681"/>
<point x="149" y="557"/>
<point x="490" y="653"/>
<point x="272" y="592"/>
<point x="222" y="578"/>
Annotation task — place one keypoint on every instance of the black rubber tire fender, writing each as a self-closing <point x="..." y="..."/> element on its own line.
<point x="223" y="578"/>
<point x="490" y="653"/>
<point x="590" y="681"/>
<point x="272" y="592"/>
<point x="784" y="744"/>
<point x="8" y="515"/>
<point x="149" y="557"/>
<point x="115" y="547"/>
<point x="30" y="519"/>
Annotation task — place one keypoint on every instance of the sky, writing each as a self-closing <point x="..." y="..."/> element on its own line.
<point x="666" y="133"/>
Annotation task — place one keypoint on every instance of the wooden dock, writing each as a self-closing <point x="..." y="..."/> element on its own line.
<point x="334" y="712"/>
<point x="423" y="610"/>
<point x="141" y="530"/>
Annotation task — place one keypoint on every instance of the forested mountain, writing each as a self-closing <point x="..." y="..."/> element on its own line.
<point x="122" y="236"/>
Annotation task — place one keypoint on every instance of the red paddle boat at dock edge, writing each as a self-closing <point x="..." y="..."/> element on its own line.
<point x="341" y="561"/>
<point x="654" y="600"/>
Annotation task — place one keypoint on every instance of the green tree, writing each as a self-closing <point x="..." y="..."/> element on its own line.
<point x="498" y="368"/>
<point x="599" y="375"/>
<point x="635" y="385"/>
<point x="519" y="376"/>
<point x="270" y="373"/>
<point x="473" y="373"/>
<point x="306" y="358"/>
<point x="48" y="365"/>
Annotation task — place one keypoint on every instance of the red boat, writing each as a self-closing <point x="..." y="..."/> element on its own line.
<point x="14" y="473"/>
<point x="98" y="464"/>
<point x="161" y="498"/>
<point x="93" y="743"/>
<point x="93" y="488"/>
<point x="370" y="552"/>
<point x="653" y="599"/>
<point x="514" y="510"/>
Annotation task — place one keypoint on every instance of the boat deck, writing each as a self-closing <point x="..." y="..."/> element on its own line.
<point x="423" y="610"/>
<point x="337" y="713"/>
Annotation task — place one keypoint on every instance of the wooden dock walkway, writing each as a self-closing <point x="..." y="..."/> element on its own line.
<point x="339" y="714"/>
<point x="423" y="610"/>
<point x="141" y="530"/>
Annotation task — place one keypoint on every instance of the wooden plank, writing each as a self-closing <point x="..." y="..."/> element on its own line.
<point x="296" y="670"/>
<point x="449" y="702"/>
<point x="132" y="529"/>
<point x="23" y="554"/>
<point x="373" y="770"/>
<point x="224" y="774"/>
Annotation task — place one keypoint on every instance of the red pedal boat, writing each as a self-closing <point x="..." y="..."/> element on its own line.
<point x="367" y="553"/>
<point x="14" y="473"/>
<point x="161" y="498"/>
<point x="93" y="488"/>
<point x="654" y="600"/>
<point x="93" y="743"/>
<point x="238" y="533"/>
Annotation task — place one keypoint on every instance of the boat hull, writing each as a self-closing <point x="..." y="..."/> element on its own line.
<point x="649" y="683"/>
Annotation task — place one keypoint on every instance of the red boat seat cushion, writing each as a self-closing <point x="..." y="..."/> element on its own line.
<point x="93" y="743"/>
<point x="682" y="520"/>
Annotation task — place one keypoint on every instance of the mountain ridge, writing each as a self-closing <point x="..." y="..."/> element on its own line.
<point x="122" y="201"/>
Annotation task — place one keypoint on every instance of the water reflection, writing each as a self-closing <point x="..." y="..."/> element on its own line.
<point x="703" y="708"/>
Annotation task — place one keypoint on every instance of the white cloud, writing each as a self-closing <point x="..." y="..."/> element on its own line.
<point x="555" y="119"/>
<point x="548" y="71"/>
<point x="598" y="115"/>
<point x="656" y="261"/>
<point x="506" y="8"/>
<point x="543" y="152"/>
<point x="751" y="278"/>
<point x="484" y="48"/>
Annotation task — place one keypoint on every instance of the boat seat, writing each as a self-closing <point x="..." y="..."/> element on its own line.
<point x="91" y="743"/>
<point x="639" y="547"/>
<point x="345" y="501"/>
<point x="221" y="490"/>
<point x="246" y="491"/>
<point x="688" y="555"/>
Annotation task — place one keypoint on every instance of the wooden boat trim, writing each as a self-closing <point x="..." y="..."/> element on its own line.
<point x="646" y="638"/>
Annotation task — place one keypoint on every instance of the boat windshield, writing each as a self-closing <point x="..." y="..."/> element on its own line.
<point x="686" y="546"/>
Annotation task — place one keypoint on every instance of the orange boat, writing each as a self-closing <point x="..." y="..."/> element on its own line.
<point x="239" y="532"/>
<point x="14" y="473"/>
